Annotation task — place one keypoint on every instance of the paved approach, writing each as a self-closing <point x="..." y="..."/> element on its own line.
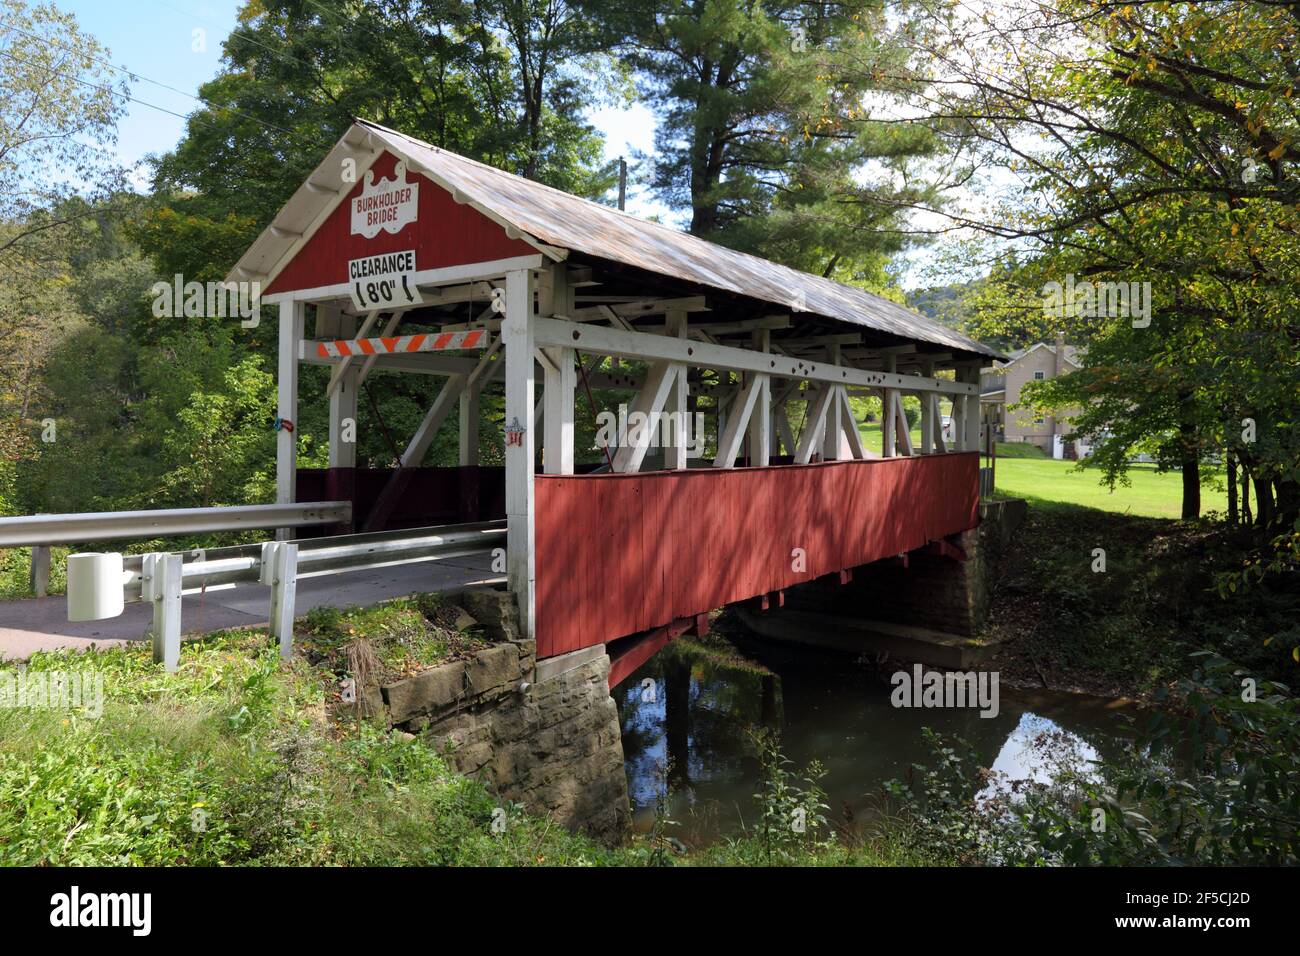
<point x="41" y="624"/>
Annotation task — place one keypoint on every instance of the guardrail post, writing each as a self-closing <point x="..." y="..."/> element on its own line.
<point x="283" y="558"/>
<point x="163" y="580"/>
<point x="39" y="577"/>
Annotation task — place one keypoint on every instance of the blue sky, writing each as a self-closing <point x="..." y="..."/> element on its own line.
<point x="178" y="43"/>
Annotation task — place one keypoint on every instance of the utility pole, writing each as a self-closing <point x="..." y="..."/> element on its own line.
<point x="622" y="183"/>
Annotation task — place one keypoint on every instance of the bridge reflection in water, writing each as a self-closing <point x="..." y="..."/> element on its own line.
<point x="688" y="730"/>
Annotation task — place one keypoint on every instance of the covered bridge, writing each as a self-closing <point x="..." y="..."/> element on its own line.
<point x="402" y="257"/>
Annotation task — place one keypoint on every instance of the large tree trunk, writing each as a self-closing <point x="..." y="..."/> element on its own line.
<point x="1246" y="517"/>
<point x="1263" y="502"/>
<point x="1190" y="457"/>
<point x="1287" y="502"/>
<point x="1232" y="489"/>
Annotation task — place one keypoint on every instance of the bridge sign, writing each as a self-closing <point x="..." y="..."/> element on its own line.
<point x="383" y="281"/>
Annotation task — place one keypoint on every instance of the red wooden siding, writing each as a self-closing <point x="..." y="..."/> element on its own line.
<point x="619" y="554"/>
<point x="444" y="233"/>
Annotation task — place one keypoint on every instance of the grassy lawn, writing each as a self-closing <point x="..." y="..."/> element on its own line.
<point x="1044" y="481"/>
<point x="1025" y="471"/>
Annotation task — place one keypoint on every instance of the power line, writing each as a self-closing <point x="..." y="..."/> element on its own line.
<point x="133" y="75"/>
<point x="235" y="35"/>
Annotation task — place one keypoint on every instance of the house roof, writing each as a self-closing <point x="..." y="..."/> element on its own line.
<point x="1073" y="354"/>
<point x="558" y="223"/>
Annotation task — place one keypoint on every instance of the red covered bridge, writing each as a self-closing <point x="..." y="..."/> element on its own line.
<point x="406" y="258"/>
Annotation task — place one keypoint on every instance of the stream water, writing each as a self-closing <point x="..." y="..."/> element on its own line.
<point x="687" y="718"/>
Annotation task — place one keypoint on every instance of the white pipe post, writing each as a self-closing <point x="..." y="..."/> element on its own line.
<point x="517" y="338"/>
<point x="286" y="442"/>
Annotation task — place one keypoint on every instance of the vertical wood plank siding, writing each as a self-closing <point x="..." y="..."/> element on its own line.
<point x="619" y="554"/>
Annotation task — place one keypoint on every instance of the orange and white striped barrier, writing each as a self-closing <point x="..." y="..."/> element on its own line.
<point x="431" y="342"/>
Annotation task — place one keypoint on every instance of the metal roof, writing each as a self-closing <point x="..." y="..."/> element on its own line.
<point x="549" y="217"/>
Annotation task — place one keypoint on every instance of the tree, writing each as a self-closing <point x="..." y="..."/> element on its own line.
<point x="1146" y="143"/>
<point x="57" y="117"/>
<point x="765" y="139"/>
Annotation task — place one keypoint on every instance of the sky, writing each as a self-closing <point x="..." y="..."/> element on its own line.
<point x="178" y="43"/>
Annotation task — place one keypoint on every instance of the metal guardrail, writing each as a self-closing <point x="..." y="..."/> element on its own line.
<point x="42" y="531"/>
<point x="163" y="579"/>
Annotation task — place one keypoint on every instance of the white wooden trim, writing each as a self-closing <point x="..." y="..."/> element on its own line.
<point x="560" y="379"/>
<point x="321" y="217"/>
<point x="834" y="429"/>
<point x="445" y="275"/>
<point x="292" y="320"/>
<point x="760" y="419"/>
<point x="467" y="433"/>
<point x="850" y="424"/>
<point x="813" y="426"/>
<point x="901" y="429"/>
<point x="346" y="364"/>
<point x="675" y="457"/>
<point x="600" y="340"/>
<point x="650" y="400"/>
<point x="517" y="334"/>
<point x="343" y="406"/>
<point x="738" y="420"/>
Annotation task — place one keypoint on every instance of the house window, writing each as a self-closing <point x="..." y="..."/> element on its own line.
<point x="1039" y="375"/>
<point x="1040" y="420"/>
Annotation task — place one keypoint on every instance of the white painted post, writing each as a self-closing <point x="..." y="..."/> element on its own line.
<point x="760" y="419"/>
<point x="675" y="456"/>
<point x="971" y="375"/>
<point x="163" y="578"/>
<point x="286" y="442"/>
<point x="39" y="575"/>
<point x="888" y="417"/>
<point x="814" y="423"/>
<point x="560" y="378"/>
<point x="743" y="409"/>
<point x="649" y="401"/>
<point x="928" y="411"/>
<point x="833" y="435"/>
<point x="517" y="339"/>
<point x="284" y="593"/>
<point x="469" y="425"/>
<point x="343" y="408"/>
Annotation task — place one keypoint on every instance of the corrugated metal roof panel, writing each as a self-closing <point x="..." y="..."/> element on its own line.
<point x="565" y="221"/>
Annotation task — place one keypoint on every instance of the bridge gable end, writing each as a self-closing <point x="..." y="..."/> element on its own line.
<point x="379" y="216"/>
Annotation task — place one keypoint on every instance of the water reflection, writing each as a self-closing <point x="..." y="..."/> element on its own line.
<point x="690" y="713"/>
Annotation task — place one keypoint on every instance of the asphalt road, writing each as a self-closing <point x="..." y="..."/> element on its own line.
<point x="38" y="624"/>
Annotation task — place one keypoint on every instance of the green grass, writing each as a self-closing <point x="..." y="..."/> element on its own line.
<point x="234" y="760"/>
<point x="1045" y="482"/>
<point x="240" y="759"/>
<point x="405" y="636"/>
<point x="875" y="441"/>
<point x="1019" y="449"/>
